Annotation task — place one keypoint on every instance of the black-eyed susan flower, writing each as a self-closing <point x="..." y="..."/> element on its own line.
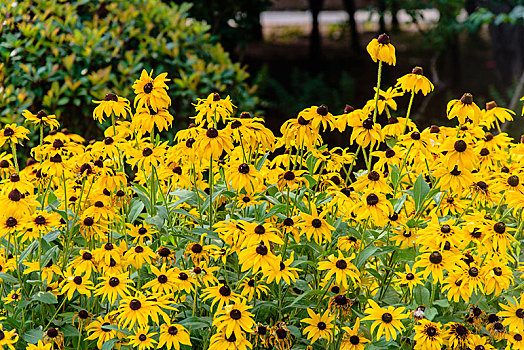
<point x="8" y="338"/>
<point x="315" y="225"/>
<point x="458" y="336"/>
<point x="319" y="115"/>
<point x="13" y="133"/>
<point x="493" y="115"/>
<point x="114" y="286"/>
<point x="146" y="119"/>
<point x="242" y="176"/>
<point x="134" y="309"/>
<point x="464" y="109"/>
<point x="219" y="341"/>
<point x="415" y="82"/>
<point x="410" y="277"/>
<point x="365" y="131"/>
<point x="373" y="206"/>
<point x="513" y="314"/>
<point x="497" y="276"/>
<point x="515" y="340"/>
<point x="143" y="339"/>
<point x="72" y="284"/>
<point x="13" y="296"/>
<point x="213" y="109"/>
<point x="221" y="294"/>
<point x="111" y="105"/>
<point x="381" y="49"/>
<point x="41" y="118"/>
<point x="319" y="326"/>
<point x="428" y="335"/>
<point x="285" y="272"/>
<point x="258" y="257"/>
<point x="459" y="153"/>
<point x="386" y="320"/>
<point x="98" y="330"/>
<point x="234" y="319"/>
<point x="385" y="101"/>
<point x="353" y="338"/>
<point x="40" y="345"/>
<point x="341" y="268"/>
<point x="211" y="143"/>
<point x="151" y="92"/>
<point x="434" y="263"/>
<point x="172" y="335"/>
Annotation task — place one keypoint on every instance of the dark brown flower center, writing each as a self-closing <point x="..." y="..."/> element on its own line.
<point x="243" y="168"/>
<point x="341" y="264"/>
<point x="460" y="146"/>
<point x="148" y="88"/>
<point x="212" y="133"/>
<point x="135" y="304"/>
<point x="172" y="330"/>
<point x="384" y="39"/>
<point x="435" y="258"/>
<point x="235" y="314"/>
<point x="372" y="199"/>
<point x="114" y="281"/>
<point x="368" y="124"/>
<point x="322" y="110"/>
<point x="387" y="317"/>
<point x="316" y="223"/>
<point x="467" y="98"/>
<point x="261" y="249"/>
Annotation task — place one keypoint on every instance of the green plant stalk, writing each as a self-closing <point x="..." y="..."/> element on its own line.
<point x="15" y="160"/>
<point x="379" y="76"/>
<point x="408" y="112"/>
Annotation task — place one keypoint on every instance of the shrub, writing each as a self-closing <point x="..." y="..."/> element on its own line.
<point x="58" y="56"/>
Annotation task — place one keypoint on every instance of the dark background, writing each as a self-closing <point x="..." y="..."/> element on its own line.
<point x="297" y="66"/>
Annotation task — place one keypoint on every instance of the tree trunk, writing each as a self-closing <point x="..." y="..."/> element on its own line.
<point x="314" y="41"/>
<point x="351" y="8"/>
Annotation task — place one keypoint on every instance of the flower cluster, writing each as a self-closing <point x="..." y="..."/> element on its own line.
<point x="230" y="237"/>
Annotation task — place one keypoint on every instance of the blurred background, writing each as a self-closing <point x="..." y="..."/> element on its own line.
<point x="274" y="57"/>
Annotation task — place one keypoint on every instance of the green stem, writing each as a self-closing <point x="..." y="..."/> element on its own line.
<point x="379" y="75"/>
<point x="409" y="112"/>
<point x="15" y="160"/>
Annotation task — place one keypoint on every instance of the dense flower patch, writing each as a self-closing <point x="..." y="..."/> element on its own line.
<point x="232" y="238"/>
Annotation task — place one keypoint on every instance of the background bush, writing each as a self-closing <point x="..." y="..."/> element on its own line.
<point x="58" y="56"/>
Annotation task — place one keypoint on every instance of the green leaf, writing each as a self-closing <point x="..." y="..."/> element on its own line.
<point x="33" y="336"/>
<point x="430" y="313"/>
<point x="422" y="295"/>
<point x="108" y="345"/>
<point x="7" y="278"/>
<point x="45" y="297"/>
<point x="420" y="191"/>
<point x="135" y="209"/>
<point x="442" y="303"/>
<point x="365" y="254"/>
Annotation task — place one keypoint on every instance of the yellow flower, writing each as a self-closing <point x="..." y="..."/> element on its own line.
<point x="415" y="82"/>
<point x="341" y="268"/>
<point x="112" y="104"/>
<point x="151" y="92"/>
<point x="41" y="118"/>
<point x="513" y="315"/>
<point x="172" y="335"/>
<point x="464" y="109"/>
<point x="213" y="109"/>
<point x="13" y="133"/>
<point x="428" y="335"/>
<point x="381" y="49"/>
<point x="319" y="326"/>
<point x="386" y="319"/>
<point x="234" y="319"/>
<point x="493" y="115"/>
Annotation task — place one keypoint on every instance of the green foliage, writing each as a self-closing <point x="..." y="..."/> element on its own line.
<point x="58" y="56"/>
